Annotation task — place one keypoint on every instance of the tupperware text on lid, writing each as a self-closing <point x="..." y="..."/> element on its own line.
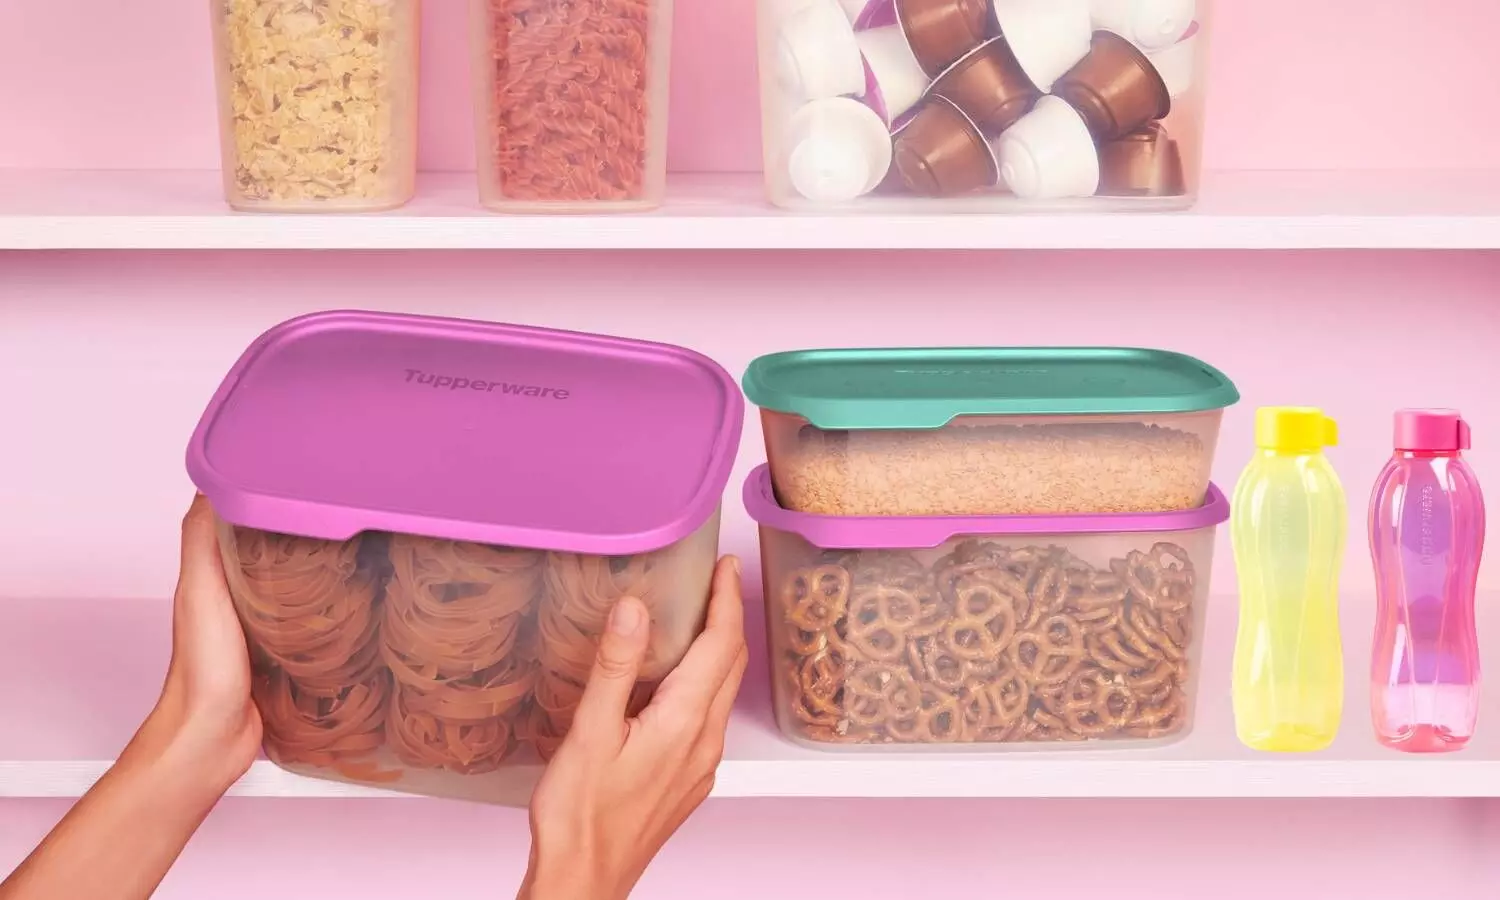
<point x="920" y="388"/>
<point x="342" y="422"/>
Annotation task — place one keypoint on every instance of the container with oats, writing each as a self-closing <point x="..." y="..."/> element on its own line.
<point x="317" y="103"/>
<point x="992" y="632"/>
<point x="571" y="104"/>
<point x="425" y="523"/>
<point x="988" y="431"/>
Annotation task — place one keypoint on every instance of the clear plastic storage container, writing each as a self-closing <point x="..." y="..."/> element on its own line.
<point x="982" y="105"/>
<point x="1002" y="431"/>
<point x="425" y="523"/>
<point x="1003" y="632"/>
<point x="571" y="103"/>
<point x="317" y="103"/>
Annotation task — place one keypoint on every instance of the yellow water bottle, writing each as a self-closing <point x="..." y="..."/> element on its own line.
<point x="1288" y="523"/>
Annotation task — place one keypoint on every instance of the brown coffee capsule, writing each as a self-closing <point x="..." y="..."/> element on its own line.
<point x="940" y="31"/>
<point x="1115" y="88"/>
<point x="941" y="153"/>
<point x="1144" y="163"/>
<point x="990" y="86"/>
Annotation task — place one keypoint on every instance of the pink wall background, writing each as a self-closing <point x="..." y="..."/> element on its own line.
<point x="115" y="354"/>
<point x="1294" y="84"/>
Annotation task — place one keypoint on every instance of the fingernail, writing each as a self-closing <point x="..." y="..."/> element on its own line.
<point x="734" y="562"/>
<point x="625" y="618"/>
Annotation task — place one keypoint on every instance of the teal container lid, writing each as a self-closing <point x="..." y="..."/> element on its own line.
<point x="918" y="388"/>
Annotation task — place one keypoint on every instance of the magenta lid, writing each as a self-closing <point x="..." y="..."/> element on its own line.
<point x="1431" y="430"/>
<point x="921" y="532"/>
<point x="343" y="422"/>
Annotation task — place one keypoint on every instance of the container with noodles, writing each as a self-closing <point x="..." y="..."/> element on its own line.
<point x="571" y="103"/>
<point x="991" y="632"/>
<point x="317" y="103"/>
<point x="425" y="523"/>
<point x="957" y="431"/>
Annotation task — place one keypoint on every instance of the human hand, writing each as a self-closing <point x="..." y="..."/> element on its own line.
<point x="619" y="787"/>
<point x="205" y="711"/>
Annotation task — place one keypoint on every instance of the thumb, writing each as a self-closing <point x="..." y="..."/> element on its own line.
<point x="603" y="708"/>
<point x="202" y="571"/>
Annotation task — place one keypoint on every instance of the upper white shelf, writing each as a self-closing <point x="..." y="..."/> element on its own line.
<point x="166" y="210"/>
<point x="79" y="675"/>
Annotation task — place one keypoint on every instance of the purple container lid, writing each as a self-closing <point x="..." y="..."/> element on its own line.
<point x="923" y="532"/>
<point x="342" y="422"/>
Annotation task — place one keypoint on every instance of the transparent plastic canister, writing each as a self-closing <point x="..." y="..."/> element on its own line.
<point x="317" y="103"/>
<point x="1000" y="632"/>
<point x="571" y="104"/>
<point x="968" y="105"/>
<point x="442" y="667"/>
<point x="426" y="522"/>
<point x="1002" y="431"/>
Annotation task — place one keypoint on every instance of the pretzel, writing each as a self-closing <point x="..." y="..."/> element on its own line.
<point x="817" y="600"/>
<point x="992" y="644"/>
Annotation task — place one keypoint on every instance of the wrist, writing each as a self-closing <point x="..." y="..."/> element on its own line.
<point x="203" y="760"/>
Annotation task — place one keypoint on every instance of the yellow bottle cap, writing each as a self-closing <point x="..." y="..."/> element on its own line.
<point x="1294" y="429"/>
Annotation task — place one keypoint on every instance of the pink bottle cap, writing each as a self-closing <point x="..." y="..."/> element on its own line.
<point x="1431" y="430"/>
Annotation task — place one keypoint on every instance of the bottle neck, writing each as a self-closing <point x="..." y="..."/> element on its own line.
<point x="1427" y="454"/>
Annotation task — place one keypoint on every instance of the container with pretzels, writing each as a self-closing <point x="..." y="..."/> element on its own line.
<point x="999" y="630"/>
<point x="425" y="523"/>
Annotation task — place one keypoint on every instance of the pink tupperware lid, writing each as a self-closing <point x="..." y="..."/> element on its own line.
<point x="1431" y="431"/>
<point x="342" y="422"/>
<point x="925" y="532"/>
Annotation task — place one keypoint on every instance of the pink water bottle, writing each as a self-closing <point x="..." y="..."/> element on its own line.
<point x="1426" y="535"/>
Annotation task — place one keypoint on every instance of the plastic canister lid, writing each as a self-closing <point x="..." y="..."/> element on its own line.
<point x="1294" y="429"/>
<point x="343" y="422"/>
<point x="1431" y="430"/>
<point x="918" y="388"/>
<point x="923" y="532"/>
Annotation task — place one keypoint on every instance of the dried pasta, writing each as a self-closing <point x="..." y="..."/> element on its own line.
<point x="568" y="108"/>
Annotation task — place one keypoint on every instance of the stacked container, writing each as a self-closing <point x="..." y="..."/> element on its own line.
<point x="317" y="103"/>
<point x="1002" y="548"/>
<point x="424" y="530"/>
<point x="1007" y="104"/>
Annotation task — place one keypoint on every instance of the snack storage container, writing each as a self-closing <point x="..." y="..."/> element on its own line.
<point x="1000" y="632"/>
<point x="571" y="104"/>
<point x="317" y="103"/>
<point x="988" y="431"/>
<point x="982" y="105"/>
<point x="425" y="523"/>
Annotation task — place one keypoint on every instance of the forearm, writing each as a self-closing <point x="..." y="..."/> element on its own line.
<point x="118" y="842"/>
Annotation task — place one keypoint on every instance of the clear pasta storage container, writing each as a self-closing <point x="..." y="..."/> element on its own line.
<point x="995" y="632"/>
<point x="317" y="103"/>
<point x="982" y="105"/>
<point x="571" y="103"/>
<point x="425" y="523"/>
<point x="988" y="431"/>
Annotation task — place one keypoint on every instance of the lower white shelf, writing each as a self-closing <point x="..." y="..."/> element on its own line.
<point x="79" y="675"/>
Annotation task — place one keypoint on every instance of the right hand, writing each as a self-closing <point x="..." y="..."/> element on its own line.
<point x="619" y="787"/>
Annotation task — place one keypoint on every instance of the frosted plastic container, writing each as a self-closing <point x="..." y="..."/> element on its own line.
<point x="961" y="88"/>
<point x="988" y="431"/>
<point x="424" y="535"/>
<point x="571" y="104"/>
<point x="999" y="632"/>
<point x="317" y="103"/>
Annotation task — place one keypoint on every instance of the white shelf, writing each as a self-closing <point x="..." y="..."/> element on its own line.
<point x="80" y="674"/>
<point x="149" y="210"/>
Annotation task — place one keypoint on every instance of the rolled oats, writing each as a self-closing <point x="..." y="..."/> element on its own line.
<point x="315" y="89"/>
